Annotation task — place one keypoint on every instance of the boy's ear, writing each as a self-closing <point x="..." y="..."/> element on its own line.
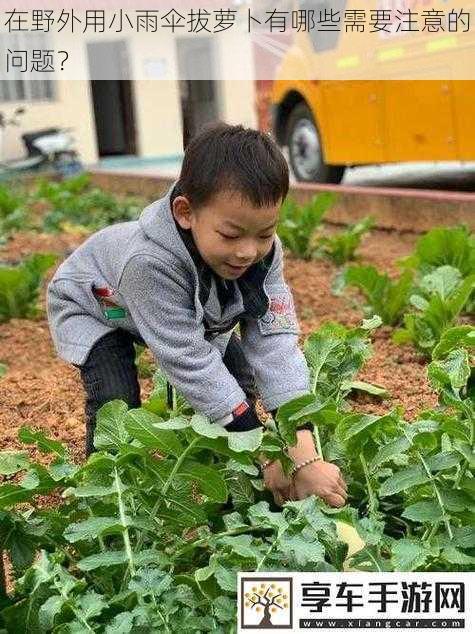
<point x="182" y="212"/>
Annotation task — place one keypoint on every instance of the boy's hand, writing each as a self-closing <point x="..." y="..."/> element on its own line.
<point x="277" y="482"/>
<point x="322" y="479"/>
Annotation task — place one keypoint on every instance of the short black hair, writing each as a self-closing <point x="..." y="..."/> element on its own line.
<point x="223" y="157"/>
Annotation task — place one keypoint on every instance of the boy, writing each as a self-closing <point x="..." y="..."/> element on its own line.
<point x="198" y="262"/>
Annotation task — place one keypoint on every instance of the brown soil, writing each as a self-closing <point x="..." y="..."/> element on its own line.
<point x="40" y="389"/>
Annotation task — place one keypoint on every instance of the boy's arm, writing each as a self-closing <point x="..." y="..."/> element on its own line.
<point x="162" y="308"/>
<point x="271" y="343"/>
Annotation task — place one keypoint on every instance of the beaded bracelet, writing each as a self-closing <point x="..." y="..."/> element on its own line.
<point x="297" y="467"/>
<point x="265" y="464"/>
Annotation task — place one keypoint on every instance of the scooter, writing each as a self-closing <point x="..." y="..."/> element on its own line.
<point x="49" y="148"/>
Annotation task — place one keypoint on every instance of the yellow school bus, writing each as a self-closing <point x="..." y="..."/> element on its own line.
<point x="330" y="123"/>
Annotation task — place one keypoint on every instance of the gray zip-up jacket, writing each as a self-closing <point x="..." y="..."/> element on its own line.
<point x="140" y="276"/>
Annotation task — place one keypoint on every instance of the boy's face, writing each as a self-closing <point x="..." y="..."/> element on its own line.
<point x="228" y="231"/>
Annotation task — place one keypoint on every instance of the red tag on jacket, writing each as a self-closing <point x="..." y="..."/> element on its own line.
<point x="240" y="409"/>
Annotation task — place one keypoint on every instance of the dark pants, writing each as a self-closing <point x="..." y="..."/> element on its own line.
<point x="110" y="373"/>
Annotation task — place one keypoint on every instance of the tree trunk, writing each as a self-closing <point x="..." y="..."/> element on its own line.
<point x="266" y="618"/>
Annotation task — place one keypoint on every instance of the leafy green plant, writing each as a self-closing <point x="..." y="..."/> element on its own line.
<point x="20" y="284"/>
<point x="75" y="203"/>
<point x="453" y="246"/>
<point x="145" y="539"/>
<point x="384" y="297"/>
<point x="341" y="247"/>
<point x="440" y="298"/>
<point x="54" y="191"/>
<point x="152" y="530"/>
<point x="298" y="223"/>
<point x="13" y="211"/>
<point x="411" y="486"/>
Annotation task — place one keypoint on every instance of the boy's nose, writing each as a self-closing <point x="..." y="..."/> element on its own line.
<point x="246" y="253"/>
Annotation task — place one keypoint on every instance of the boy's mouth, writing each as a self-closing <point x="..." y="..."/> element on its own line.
<point x="236" y="269"/>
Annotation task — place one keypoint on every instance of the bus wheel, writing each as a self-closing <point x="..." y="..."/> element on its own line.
<point x="305" y="149"/>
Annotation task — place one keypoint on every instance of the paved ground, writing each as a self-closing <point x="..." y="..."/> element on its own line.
<point x="443" y="175"/>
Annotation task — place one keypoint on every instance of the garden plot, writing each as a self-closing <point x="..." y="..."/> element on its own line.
<point x="152" y="530"/>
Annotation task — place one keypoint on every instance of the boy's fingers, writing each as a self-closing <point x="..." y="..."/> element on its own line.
<point x="333" y="499"/>
<point x="341" y="491"/>
<point x="342" y="483"/>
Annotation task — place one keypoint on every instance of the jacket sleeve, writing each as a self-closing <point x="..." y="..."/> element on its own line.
<point x="161" y="304"/>
<point x="271" y="343"/>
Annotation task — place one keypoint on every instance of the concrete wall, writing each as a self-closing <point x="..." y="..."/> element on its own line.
<point x="414" y="211"/>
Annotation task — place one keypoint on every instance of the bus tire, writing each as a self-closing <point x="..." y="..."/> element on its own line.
<point x="305" y="149"/>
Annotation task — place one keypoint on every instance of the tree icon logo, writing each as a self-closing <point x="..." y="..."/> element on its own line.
<point x="266" y="603"/>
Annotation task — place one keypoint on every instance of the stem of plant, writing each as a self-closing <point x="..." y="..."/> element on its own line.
<point x="167" y="485"/>
<point x="316" y="435"/>
<point x="372" y="501"/>
<point x="77" y="614"/>
<point x="436" y="490"/>
<point x="205" y="540"/>
<point x="438" y="496"/>
<point x="123" y="521"/>
<point x="274" y="543"/>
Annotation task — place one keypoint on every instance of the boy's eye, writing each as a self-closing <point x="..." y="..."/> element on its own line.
<point x="267" y="237"/>
<point x="228" y="237"/>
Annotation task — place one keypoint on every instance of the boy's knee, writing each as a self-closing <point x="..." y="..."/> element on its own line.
<point x="101" y="392"/>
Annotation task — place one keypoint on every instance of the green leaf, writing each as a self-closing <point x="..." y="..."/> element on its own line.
<point x="247" y="441"/>
<point x="369" y="388"/>
<point x="408" y="555"/>
<point x="49" y="610"/>
<point x="467" y="452"/>
<point x="369" y="559"/>
<point x="204" y="427"/>
<point x="110" y="430"/>
<point x="443" y="460"/>
<point x="92" y="528"/>
<point x="11" y="494"/>
<point x="454" y="370"/>
<point x="208" y="478"/>
<point x="241" y="491"/>
<point x="389" y="451"/>
<point x="425" y="511"/>
<point x="353" y="425"/>
<point x="456" y="337"/>
<point x="150" y="581"/>
<point x="447" y="245"/>
<point x="443" y="281"/>
<point x="3" y="369"/>
<point x="13" y="461"/>
<point x="46" y="445"/>
<point x="372" y="323"/>
<point x="260" y="515"/>
<point x="242" y="546"/>
<point x="455" y="556"/>
<point x="303" y="551"/>
<point x="142" y="425"/>
<point x="91" y="604"/>
<point x="121" y="624"/>
<point x="91" y="490"/>
<point x="117" y="557"/>
<point x="402" y="480"/>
